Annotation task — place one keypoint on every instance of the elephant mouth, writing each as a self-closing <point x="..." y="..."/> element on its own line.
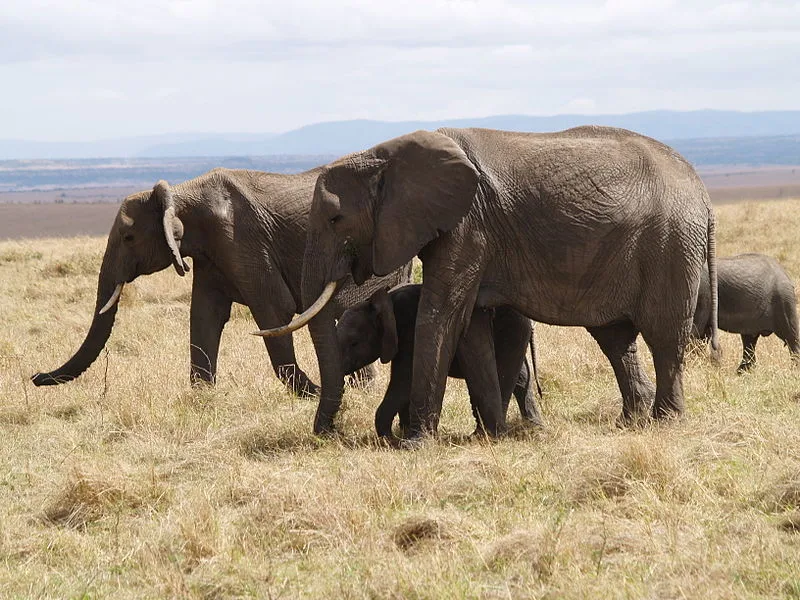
<point x="360" y="269"/>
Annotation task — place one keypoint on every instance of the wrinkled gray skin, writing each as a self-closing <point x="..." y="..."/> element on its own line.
<point x="756" y="298"/>
<point x="245" y="232"/>
<point x="593" y="226"/>
<point x="383" y="328"/>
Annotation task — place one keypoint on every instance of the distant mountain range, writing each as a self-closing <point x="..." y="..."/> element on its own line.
<point x="730" y="132"/>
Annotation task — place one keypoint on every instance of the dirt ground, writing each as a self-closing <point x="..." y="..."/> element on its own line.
<point x="20" y="221"/>
<point x="65" y="213"/>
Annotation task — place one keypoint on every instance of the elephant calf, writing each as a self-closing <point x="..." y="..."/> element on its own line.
<point x="756" y="297"/>
<point x="383" y="327"/>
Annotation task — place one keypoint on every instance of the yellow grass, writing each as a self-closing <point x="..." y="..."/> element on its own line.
<point x="129" y="484"/>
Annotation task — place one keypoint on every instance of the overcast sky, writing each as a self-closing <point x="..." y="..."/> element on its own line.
<point x="90" y="69"/>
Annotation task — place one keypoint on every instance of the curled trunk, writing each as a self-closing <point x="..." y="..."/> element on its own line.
<point x="98" y="334"/>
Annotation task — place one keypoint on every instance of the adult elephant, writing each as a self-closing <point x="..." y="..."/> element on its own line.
<point x="592" y="226"/>
<point x="245" y="232"/>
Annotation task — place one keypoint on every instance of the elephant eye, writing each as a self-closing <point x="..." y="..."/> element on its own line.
<point x="335" y="219"/>
<point x="128" y="237"/>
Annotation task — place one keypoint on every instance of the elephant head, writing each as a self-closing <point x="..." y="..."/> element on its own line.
<point x="367" y="332"/>
<point x="145" y="238"/>
<point x="372" y="212"/>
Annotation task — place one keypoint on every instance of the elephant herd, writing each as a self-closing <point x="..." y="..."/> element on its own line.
<point x="593" y="226"/>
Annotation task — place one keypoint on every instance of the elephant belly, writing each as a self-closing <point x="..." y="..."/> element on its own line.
<point x="561" y="305"/>
<point x="745" y="322"/>
<point x="744" y="310"/>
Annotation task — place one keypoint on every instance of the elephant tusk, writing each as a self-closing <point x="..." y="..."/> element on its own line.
<point x="301" y="320"/>
<point x="113" y="300"/>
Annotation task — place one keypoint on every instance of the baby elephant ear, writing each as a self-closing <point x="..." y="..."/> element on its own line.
<point x="386" y="324"/>
<point x="426" y="187"/>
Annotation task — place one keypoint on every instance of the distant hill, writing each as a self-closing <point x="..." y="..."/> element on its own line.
<point x="757" y="151"/>
<point x="349" y="136"/>
<point x="341" y="137"/>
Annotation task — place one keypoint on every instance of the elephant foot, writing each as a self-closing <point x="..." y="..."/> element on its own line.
<point x="298" y="382"/>
<point x="634" y="420"/>
<point x="481" y="433"/>
<point x="666" y="412"/>
<point x="308" y="390"/>
<point x="416" y="442"/>
<point x="201" y="382"/>
<point x="637" y="408"/>
<point x="323" y="426"/>
<point x="532" y="420"/>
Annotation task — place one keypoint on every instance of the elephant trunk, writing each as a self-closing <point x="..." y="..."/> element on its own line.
<point x="99" y="332"/>
<point x="318" y="277"/>
<point x="323" y="335"/>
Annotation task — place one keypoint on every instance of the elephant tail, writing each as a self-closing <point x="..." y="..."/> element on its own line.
<point x="532" y="345"/>
<point x="712" y="327"/>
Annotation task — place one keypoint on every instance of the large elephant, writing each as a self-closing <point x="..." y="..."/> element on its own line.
<point x="756" y="298"/>
<point x="593" y="226"/>
<point x="383" y="328"/>
<point x="245" y="232"/>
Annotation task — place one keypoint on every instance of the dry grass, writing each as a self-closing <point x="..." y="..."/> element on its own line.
<point x="128" y="484"/>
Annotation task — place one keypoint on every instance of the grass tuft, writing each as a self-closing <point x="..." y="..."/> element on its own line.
<point x="791" y="523"/>
<point x="415" y="530"/>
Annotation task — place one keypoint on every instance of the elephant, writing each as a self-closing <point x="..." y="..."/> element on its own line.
<point x="245" y="232"/>
<point x="593" y="226"/>
<point x="756" y="298"/>
<point x="383" y="328"/>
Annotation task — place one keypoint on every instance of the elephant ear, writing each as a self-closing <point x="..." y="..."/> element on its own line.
<point x="173" y="227"/>
<point x="425" y="186"/>
<point x="384" y="310"/>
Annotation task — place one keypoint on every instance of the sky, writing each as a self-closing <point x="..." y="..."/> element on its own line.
<point x="82" y="70"/>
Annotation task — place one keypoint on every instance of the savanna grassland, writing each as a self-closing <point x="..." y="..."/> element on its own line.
<point x="127" y="483"/>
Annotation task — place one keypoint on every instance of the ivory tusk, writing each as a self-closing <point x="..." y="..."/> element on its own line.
<point x="301" y="320"/>
<point x="113" y="300"/>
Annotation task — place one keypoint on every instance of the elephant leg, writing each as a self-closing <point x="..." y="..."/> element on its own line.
<point x="284" y="364"/>
<point x="668" y="346"/>
<point x="788" y="329"/>
<point x="748" y="352"/>
<point x="512" y="334"/>
<point x="525" y="396"/>
<point x="668" y="362"/>
<point x="446" y="302"/>
<point x="395" y="400"/>
<point x="478" y="361"/>
<point x="210" y="310"/>
<point x="618" y="343"/>
<point x="280" y="310"/>
<point x="436" y="336"/>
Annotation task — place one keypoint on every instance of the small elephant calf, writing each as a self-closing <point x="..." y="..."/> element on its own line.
<point x="756" y="298"/>
<point x="383" y="327"/>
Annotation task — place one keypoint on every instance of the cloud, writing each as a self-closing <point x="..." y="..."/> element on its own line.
<point x="248" y="65"/>
<point x="243" y="27"/>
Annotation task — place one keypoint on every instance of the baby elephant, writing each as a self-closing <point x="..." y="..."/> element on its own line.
<point x="383" y="327"/>
<point x="756" y="297"/>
